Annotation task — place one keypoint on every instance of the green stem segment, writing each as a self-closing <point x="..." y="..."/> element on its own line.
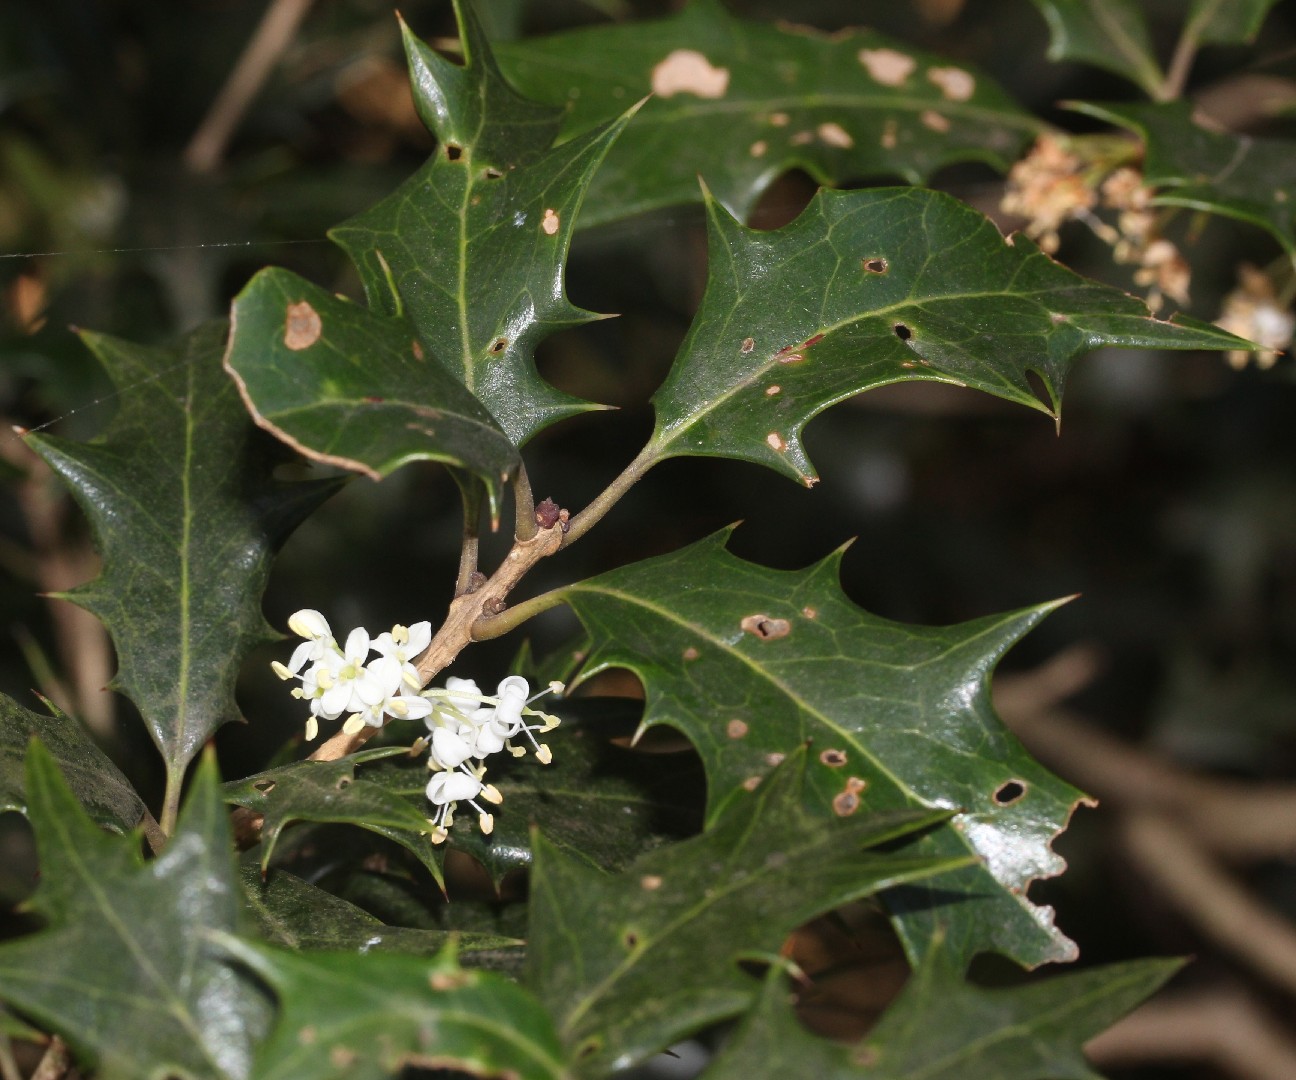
<point x="171" y="801"/>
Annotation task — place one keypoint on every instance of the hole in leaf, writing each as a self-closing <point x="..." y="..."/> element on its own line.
<point x="343" y="782"/>
<point x="876" y="265"/>
<point x="1009" y="792"/>
<point x="499" y="345"/>
<point x="265" y="786"/>
<point x="902" y="332"/>
<point x="589" y="1048"/>
<point x="493" y="174"/>
<point x="453" y="151"/>
<point x="834" y="759"/>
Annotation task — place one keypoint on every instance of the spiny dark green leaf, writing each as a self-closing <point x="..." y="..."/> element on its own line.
<point x="297" y="915"/>
<point x="750" y="663"/>
<point x="123" y="972"/>
<point x="331" y="791"/>
<point x="740" y="103"/>
<point x="1245" y="177"/>
<point x="1227" y="22"/>
<point x="873" y="287"/>
<point x="351" y="388"/>
<point x="187" y="516"/>
<point x="100" y="788"/>
<point x="631" y="963"/>
<point x="361" y="1016"/>
<point x="472" y="248"/>
<point x="944" y="1028"/>
<point x="1110" y="34"/>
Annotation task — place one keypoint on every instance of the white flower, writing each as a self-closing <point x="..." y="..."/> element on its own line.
<point x="403" y="644"/>
<point x="448" y="788"/>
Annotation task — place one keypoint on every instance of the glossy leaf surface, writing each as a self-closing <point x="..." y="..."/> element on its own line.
<point x="873" y="287"/>
<point x="750" y="663"/>
<point x="294" y="914"/>
<point x="633" y="962"/>
<point x="1110" y="34"/>
<point x="123" y="971"/>
<point x="185" y="512"/>
<point x="99" y="786"/>
<point x="472" y="248"/>
<point x="362" y="1016"/>
<point x="739" y="103"/>
<point x="943" y="1028"/>
<point x="1246" y="177"/>
<point x="350" y="388"/>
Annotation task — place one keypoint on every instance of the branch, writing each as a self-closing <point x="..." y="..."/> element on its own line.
<point x="1226" y="1028"/>
<point x="271" y="38"/>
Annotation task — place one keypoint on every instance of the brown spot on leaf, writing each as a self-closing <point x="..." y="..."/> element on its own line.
<point x="450" y="980"/>
<point x="302" y="326"/>
<point x="736" y="729"/>
<point x="813" y="340"/>
<point x="765" y="627"/>
<point x="801" y="138"/>
<point x="690" y="653"/>
<point x="934" y="121"/>
<point x="834" y="759"/>
<point x="453" y="151"/>
<point x="687" y="71"/>
<point x="902" y="331"/>
<point x="835" y="135"/>
<point x="747" y="345"/>
<point x="650" y="882"/>
<point x="549" y="223"/>
<point x="845" y="803"/>
<point x="417" y="350"/>
<point x="751" y="783"/>
<point x="954" y="83"/>
<point x="630" y="938"/>
<point x="875" y="264"/>
<point x="886" y="66"/>
<point x="776" y="442"/>
<point x="772" y="390"/>
<point x="342" y="1057"/>
<point x="499" y="345"/>
<point x="888" y="139"/>
<point x="810" y="613"/>
<point x="307" y="1035"/>
<point x="779" y="119"/>
<point x="758" y="148"/>
<point x="791" y="358"/>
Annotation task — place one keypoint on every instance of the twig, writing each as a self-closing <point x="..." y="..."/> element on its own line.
<point x="470" y="495"/>
<point x="55" y="1063"/>
<point x="1220" y="908"/>
<point x="273" y="35"/>
<point x="1222" y="1027"/>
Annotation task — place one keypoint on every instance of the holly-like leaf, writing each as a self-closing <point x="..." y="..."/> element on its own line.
<point x="297" y="915"/>
<point x="1226" y="22"/>
<point x="739" y="103"/>
<point x="368" y="1016"/>
<point x="873" y="287"/>
<point x="100" y="788"/>
<point x="187" y="516"/>
<point x="751" y="663"/>
<point x="604" y="801"/>
<point x="330" y="791"/>
<point x="944" y="1028"/>
<point x="1110" y="34"/>
<point x="633" y="962"/>
<point x="472" y="248"/>
<point x="122" y="971"/>
<point x="1246" y="177"/>
<point x="351" y="388"/>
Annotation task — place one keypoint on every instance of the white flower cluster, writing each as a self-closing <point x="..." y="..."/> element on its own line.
<point x="344" y="680"/>
<point x="468" y="726"/>
<point x="465" y="726"/>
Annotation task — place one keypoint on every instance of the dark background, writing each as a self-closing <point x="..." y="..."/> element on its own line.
<point x="1167" y="502"/>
